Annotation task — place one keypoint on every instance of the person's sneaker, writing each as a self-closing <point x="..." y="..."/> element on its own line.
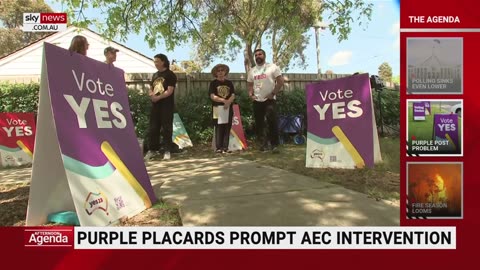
<point x="218" y="151"/>
<point x="226" y="151"/>
<point x="149" y="156"/>
<point x="166" y="155"/>
<point x="275" y="149"/>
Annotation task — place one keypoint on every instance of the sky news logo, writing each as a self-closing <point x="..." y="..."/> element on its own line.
<point x="44" y="22"/>
<point x="49" y="237"/>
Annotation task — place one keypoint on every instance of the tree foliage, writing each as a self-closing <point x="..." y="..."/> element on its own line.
<point x="225" y="28"/>
<point x="188" y="66"/>
<point x="385" y="72"/>
<point x="396" y="79"/>
<point x="11" y="19"/>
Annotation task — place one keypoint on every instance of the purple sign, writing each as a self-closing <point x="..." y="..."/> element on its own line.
<point x="418" y="110"/>
<point x="340" y="112"/>
<point x="446" y="129"/>
<point x="92" y="117"/>
<point x="427" y="107"/>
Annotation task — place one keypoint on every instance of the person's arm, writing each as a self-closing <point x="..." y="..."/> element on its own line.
<point x="229" y="101"/>
<point x="150" y="91"/>
<point x="279" y="81"/>
<point x="226" y="102"/>
<point x="232" y="89"/>
<point x="216" y="98"/>
<point x="278" y="85"/>
<point x="250" y="91"/>
<point x="211" y="91"/>
<point x="232" y="96"/>
<point x="172" y="81"/>
<point x="250" y="86"/>
<point x="165" y="94"/>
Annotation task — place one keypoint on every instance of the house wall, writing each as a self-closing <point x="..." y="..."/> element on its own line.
<point x="25" y="65"/>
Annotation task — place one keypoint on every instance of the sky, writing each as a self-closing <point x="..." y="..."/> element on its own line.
<point x="447" y="50"/>
<point x="364" y="51"/>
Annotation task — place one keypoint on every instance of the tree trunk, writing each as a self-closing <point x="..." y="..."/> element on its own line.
<point x="274" y="48"/>
<point x="248" y="57"/>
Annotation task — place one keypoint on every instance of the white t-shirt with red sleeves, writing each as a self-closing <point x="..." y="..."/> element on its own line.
<point x="263" y="78"/>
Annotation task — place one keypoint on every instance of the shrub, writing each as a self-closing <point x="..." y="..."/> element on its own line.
<point x="140" y="106"/>
<point x="292" y="103"/>
<point x="195" y="111"/>
<point x="19" y="97"/>
<point x="390" y="106"/>
<point x="195" y="108"/>
<point x="246" y="111"/>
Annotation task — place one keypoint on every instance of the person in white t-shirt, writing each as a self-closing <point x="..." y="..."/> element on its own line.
<point x="264" y="82"/>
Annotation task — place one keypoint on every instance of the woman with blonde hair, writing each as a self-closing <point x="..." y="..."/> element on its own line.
<point x="79" y="45"/>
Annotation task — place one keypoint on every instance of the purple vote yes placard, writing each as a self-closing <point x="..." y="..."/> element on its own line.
<point x="342" y="105"/>
<point x="446" y="128"/>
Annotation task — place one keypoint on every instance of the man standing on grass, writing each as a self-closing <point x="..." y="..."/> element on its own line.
<point x="264" y="82"/>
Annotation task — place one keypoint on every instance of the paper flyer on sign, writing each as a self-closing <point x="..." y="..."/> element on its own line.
<point x="340" y="124"/>
<point x="223" y="114"/>
<point x="106" y="175"/>
<point x="17" y="137"/>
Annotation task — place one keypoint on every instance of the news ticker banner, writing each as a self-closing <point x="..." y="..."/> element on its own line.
<point x="242" y="237"/>
<point x="342" y="132"/>
<point x="44" y="22"/>
<point x="17" y="138"/>
<point x="86" y="158"/>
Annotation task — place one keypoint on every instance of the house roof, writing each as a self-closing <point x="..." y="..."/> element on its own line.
<point x="59" y="37"/>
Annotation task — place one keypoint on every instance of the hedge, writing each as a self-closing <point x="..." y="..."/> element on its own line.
<point x="19" y="97"/>
<point x="195" y="108"/>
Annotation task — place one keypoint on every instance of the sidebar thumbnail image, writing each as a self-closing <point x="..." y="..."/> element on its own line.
<point x="434" y="127"/>
<point x="434" y="190"/>
<point x="435" y="65"/>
